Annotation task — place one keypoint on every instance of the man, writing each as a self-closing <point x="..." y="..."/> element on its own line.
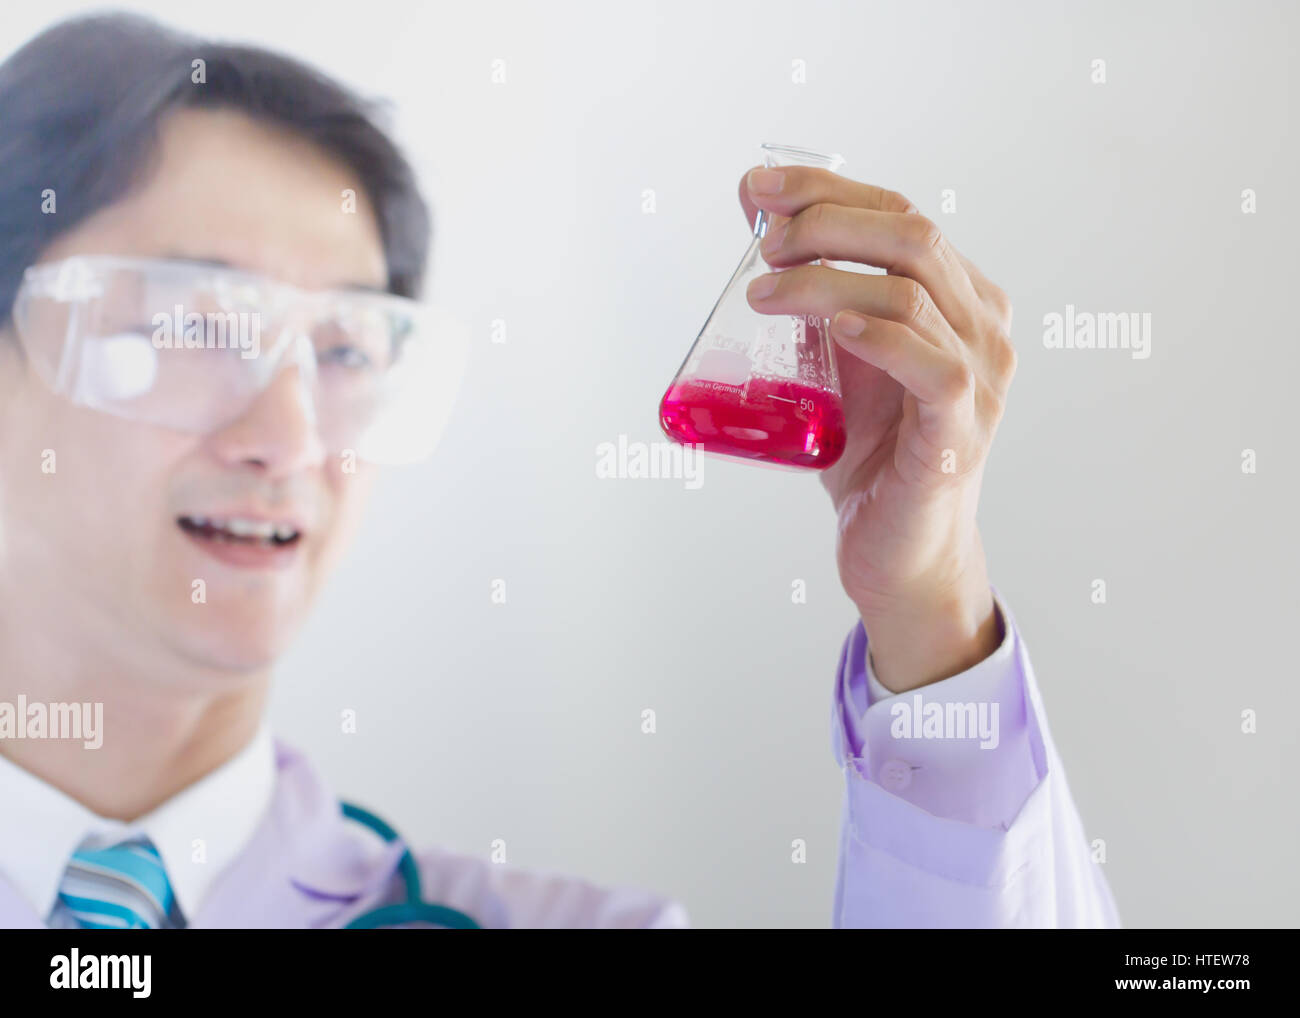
<point x="169" y="510"/>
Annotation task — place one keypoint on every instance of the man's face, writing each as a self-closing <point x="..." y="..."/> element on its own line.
<point x="108" y="538"/>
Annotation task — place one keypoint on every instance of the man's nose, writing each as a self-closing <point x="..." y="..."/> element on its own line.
<point x="277" y="433"/>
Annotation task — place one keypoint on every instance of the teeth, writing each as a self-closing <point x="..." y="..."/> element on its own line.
<point x="249" y="528"/>
<point x="238" y="526"/>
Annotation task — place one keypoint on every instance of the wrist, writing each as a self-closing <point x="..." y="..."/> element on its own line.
<point x="932" y="632"/>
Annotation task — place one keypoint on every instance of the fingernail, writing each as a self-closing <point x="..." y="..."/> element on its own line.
<point x="763" y="181"/>
<point x="762" y="286"/>
<point x="849" y="324"/>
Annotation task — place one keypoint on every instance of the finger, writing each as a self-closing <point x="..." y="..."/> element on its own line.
<point x="939" y="380"/>
<point x="846" y="191"/>
<point x="751" y="210"/>
<point x="797" y="187"/>
<point x="905" y="245"/>
<point x="824" y="291"/>
<point x="990" y="294"/>
<point x="747" y="205"/>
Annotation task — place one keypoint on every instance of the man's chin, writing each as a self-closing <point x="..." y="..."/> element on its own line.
<point x="241" y="660"/>
<point x="235" y="645"/>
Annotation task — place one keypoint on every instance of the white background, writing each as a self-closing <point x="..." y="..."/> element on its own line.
<point x="521" y="721"/>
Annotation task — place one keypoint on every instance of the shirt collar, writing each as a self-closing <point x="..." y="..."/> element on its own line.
<point x="198" y="832"/>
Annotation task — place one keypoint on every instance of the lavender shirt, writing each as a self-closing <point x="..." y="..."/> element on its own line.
<point x="936" y="831"/>
<point x="941" y="832"/>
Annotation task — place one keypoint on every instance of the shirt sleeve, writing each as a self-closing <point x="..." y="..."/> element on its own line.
<point x="957" y="812"/>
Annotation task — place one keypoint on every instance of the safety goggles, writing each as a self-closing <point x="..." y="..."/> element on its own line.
<point x="191" y="347"/>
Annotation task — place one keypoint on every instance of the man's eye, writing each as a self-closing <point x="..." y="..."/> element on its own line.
<point x="348" y="357"/>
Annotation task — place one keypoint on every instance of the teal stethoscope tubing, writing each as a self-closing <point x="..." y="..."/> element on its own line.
<point x="414" y="909"/>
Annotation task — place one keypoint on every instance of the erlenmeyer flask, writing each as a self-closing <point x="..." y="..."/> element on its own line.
<point x="761" y="387"/>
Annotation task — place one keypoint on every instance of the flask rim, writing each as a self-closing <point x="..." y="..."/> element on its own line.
<point x="790" y="155"/>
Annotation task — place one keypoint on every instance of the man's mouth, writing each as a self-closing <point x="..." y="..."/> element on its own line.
<point x="238" y="530"/>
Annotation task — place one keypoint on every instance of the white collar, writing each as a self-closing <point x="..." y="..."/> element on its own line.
<point x="198" y="832"/>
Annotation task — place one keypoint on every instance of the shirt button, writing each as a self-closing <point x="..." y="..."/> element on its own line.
<point x="896" y="775"/>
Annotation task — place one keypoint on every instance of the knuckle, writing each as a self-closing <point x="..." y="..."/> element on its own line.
<point x="923" y="235"/>
<point x="1008" y="359"/>
<point x="991" y="406"/>
<point x="892" y="201"/>
<point x="809" y="223"/>
<point x="958" y="381"/>
<point x="909" y="300"/>
<point x="821" y="213"/>
<point x="1000" y="301"/>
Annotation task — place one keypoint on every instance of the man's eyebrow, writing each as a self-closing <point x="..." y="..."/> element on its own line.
<point x="221" y="263"/>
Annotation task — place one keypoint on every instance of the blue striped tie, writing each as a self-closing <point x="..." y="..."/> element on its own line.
<point x="123" y="887"/>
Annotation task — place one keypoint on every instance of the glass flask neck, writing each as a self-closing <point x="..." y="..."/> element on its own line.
<point x="776" y="156"/>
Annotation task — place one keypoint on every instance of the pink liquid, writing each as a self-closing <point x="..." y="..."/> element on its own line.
<point x="774" y="420"/>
